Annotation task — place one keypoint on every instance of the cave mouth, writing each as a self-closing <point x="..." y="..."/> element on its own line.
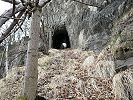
<point x="60" y="36"/>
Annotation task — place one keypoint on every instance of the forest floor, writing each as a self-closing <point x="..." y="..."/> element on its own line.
<point x="61" y="77"/>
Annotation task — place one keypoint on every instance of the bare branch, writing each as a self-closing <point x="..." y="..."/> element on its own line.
<point x="42" y="3"/>
<point x="18" y="54"/>
<point x="23" y="1"/>
<point x="8" y="31"/>
<point x="86" y="3"/>
<point x="13" y="10"/>
<point x="10" y="1"/>
<point x="18" y="27"/>
<point x="36" y="2"/>
<point x="6" y="15"/>
<point x="11" y="18"/>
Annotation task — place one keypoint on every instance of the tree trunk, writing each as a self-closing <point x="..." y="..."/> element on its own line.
<point x="44" y="43"/>
<point x="6" y="55"/>
<point x="31" y="71"/>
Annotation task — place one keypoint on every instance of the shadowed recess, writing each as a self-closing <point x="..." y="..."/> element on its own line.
<point x="60" y="36"/>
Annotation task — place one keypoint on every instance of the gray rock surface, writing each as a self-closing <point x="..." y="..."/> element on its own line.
<point x="96" y="20"/>
<point x="103" y="26"/>
<point x="123" y="85"/>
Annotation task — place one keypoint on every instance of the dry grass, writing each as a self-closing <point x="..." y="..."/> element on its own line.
<point x="61" y="77"/>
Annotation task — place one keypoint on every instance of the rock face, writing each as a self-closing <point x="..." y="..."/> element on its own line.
<point x="103" y="26"/>
<point x="123" y="85"/>
<point x="89" y="25"/>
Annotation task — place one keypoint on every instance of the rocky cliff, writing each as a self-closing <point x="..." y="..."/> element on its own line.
<point x="89" y="24"/>
<point x="103" y="26"/>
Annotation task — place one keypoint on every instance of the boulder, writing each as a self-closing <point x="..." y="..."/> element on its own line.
<point x="123" y="85"/>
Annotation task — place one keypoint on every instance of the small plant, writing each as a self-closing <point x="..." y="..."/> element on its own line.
<point x="22" y="98"/>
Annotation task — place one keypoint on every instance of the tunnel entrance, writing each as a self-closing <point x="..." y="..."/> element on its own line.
<point x="60" y="37"/>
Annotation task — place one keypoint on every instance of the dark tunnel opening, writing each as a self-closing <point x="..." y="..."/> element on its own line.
<point x="60" y="36"/>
